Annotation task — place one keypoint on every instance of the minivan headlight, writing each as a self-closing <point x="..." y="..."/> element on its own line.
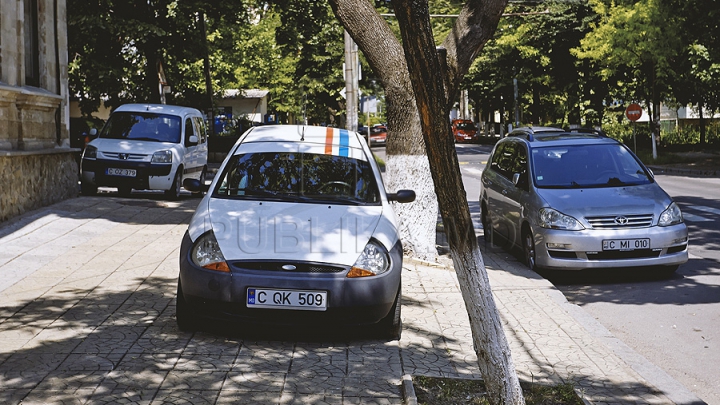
<point x="671" y="216"/>
<point x="554" y="219"/>
<point x="373" y="260"/>
<point x="206" y="254"/>
<point x="90" y="152"/>
<point x="162" y="156"/>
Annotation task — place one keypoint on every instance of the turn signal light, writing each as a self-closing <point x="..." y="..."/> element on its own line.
<point x="358" y="272"/>
<point x="218" y="266"/>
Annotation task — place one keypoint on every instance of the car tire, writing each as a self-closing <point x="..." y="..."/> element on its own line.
<point x="174" y="192"/>
<point x="88" y="189"/>
<point x="529" y="252"/>
<point x="184" y="315"/>
<point x="390" y="327"/>
<point x="668" y="271"/>
<point x="202" y="182"/>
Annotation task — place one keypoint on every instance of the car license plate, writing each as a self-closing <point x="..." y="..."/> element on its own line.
<point x="287" y="299"/>
<point x="625" y="244"/>
<point x="121" y="172"/>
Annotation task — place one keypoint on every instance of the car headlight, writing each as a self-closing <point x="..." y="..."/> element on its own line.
<point x="206" y="254"/>
<point x="90" y="152"/>
<point x="671" y="216"/>
<point x="553" y="219"/>
<point x="162" y="156"/>
<point x="373" y="260"/>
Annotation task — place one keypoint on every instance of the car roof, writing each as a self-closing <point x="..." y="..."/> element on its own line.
<point x="159" y="109"/>
<point x="551" y="134"/>
<point x="327" y="140"/>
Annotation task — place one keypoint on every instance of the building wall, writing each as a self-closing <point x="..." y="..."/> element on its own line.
<point x="34" y="113"/>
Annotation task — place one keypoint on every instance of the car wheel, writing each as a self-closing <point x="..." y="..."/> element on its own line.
<point x="668" y="271"/>
<point x="88" y="189"/>
<point x="124" y="191"/>
<point x="390" y="327"/>
<point x="174" y="192"/>
<point x="184" y="316"/>
<point x="202" y="182"/>
<point x="529" y="249"/>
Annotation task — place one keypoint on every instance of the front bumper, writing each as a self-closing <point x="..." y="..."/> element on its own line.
<point x="576" y="250"/>
<point x="350" y="301"/>
<point x="153" y="176"/>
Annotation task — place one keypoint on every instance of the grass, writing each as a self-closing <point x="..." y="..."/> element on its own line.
<point x="449" y="391"/>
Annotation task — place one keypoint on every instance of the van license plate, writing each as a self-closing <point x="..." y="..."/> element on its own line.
<point x="625" y="244"/>
<point x="121" y="172"/>
<point x="286" y="299"/>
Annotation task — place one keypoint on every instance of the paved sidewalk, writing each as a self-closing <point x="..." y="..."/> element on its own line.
<point x="87" y="304"/>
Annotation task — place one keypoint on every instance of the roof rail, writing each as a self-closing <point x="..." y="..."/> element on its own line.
<point x="593" y="131"/>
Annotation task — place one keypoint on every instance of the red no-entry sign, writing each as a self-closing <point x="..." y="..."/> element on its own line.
<point x="633" y="112"/>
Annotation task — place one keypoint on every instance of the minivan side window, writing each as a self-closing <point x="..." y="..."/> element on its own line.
<point x="189" y="131"/>
<point x="200" y="129"/>
<point x="503" y="159"/>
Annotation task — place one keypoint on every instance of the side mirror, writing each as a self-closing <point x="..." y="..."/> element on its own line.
<point x="195" y="186"/>
<point x="520" y="180"/>
<point x="93" y="133"/>
<point x="193" y="140"/>
<point x="402" y="196"/>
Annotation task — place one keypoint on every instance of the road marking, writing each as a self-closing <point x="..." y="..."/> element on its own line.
<point x="472" y="170"/>
<point x="694" y="218"/>
<point x="702" y="208"/>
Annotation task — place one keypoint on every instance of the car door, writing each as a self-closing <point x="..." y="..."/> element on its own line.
<point x="191" y="148"/>
<point x="496" y="182"/>
<point x="514" y="195"/>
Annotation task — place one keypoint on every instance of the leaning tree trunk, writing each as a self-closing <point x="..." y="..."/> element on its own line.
<point x="424" y="63"/>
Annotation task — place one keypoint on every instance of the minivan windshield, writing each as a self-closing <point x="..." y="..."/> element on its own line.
<point x="605" y="165"/>
<point x="142" y="126"/>
<point x="306" y="177"/>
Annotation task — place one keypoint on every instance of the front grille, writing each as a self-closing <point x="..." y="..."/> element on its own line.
<point x="621" y="255"/>
<point x="125" y="156"/>
<point x="621" y="221"/>
<point x="278" y="266"/>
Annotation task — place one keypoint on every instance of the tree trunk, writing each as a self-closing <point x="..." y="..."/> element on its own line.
<point x="406" y="162"/>
<point x="432" y="95"/>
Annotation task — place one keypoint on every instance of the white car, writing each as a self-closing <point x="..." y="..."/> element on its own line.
<point x="295" y="229"/>
<point x="146" y="147"/>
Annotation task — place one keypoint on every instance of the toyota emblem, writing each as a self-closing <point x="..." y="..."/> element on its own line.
<point x="621" y="220"/>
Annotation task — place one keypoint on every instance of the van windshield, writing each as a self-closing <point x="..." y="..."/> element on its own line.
<point x="142" y="126"/>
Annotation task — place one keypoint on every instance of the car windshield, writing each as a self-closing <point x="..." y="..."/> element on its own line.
<point x="607" y="165"/>
<point x="307" y="177"/>
<point x="142" y="126"/>
<point x="466" y="126"/>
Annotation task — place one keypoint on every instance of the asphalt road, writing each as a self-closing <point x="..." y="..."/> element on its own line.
<point x="672" y="322"/>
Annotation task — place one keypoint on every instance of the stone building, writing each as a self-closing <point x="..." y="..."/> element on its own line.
<point x="37" y="166"/>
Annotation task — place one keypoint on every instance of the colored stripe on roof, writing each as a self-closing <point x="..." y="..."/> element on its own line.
<point x="329" y="141"/>
<point x="344" y="143"/>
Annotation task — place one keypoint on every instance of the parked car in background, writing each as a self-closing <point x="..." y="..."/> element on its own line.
<point x="146" y="147"/>
<point x="378" y="135"/>
<point x="296" y="229"/>
<point x="579" y="200"/>
<point x="465" y="131"/>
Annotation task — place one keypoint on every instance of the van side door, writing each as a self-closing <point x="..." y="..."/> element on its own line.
<point x="191" y="155"/>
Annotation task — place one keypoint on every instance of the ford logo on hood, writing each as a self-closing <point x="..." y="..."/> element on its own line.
<point x="289" y="267"/>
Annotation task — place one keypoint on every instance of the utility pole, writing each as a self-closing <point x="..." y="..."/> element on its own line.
<point x="351" y="83"/>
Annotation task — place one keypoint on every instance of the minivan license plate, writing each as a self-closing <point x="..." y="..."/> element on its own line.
<point x="626" y="244"/>
<point x="286" y="299"/>
<point x="121" y="172"/>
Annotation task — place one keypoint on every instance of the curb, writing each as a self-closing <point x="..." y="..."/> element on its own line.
<point x="409" y="390"/>
<point x="677" y="171"/>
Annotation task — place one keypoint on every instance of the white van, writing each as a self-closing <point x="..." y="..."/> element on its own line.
<point x="146" y="147"/>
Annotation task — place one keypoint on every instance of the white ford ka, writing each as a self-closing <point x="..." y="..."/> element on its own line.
<point x="296" y="228"/>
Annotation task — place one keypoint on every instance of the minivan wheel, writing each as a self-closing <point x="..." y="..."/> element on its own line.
<point x="174" y="192"/>
<point x="529" y="249"/>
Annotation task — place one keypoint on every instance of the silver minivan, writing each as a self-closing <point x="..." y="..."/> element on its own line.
<point x="579" y="200"/>
<point x="146" y="147"/>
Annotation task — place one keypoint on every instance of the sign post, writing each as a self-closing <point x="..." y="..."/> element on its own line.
<point x="633" y="112"/>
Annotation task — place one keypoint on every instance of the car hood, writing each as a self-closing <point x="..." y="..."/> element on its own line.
<point x="582" y="202"/>
<point x="259" y="230"/>
<point x="129" y="146"/>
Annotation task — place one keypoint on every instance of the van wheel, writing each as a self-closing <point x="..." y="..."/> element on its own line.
<point x="124" y="191"/>
<point x="529" y="251"/>
<point x="88" y="189"/>
<point x="174" y="192"/>
<point x="202" y="182"/>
